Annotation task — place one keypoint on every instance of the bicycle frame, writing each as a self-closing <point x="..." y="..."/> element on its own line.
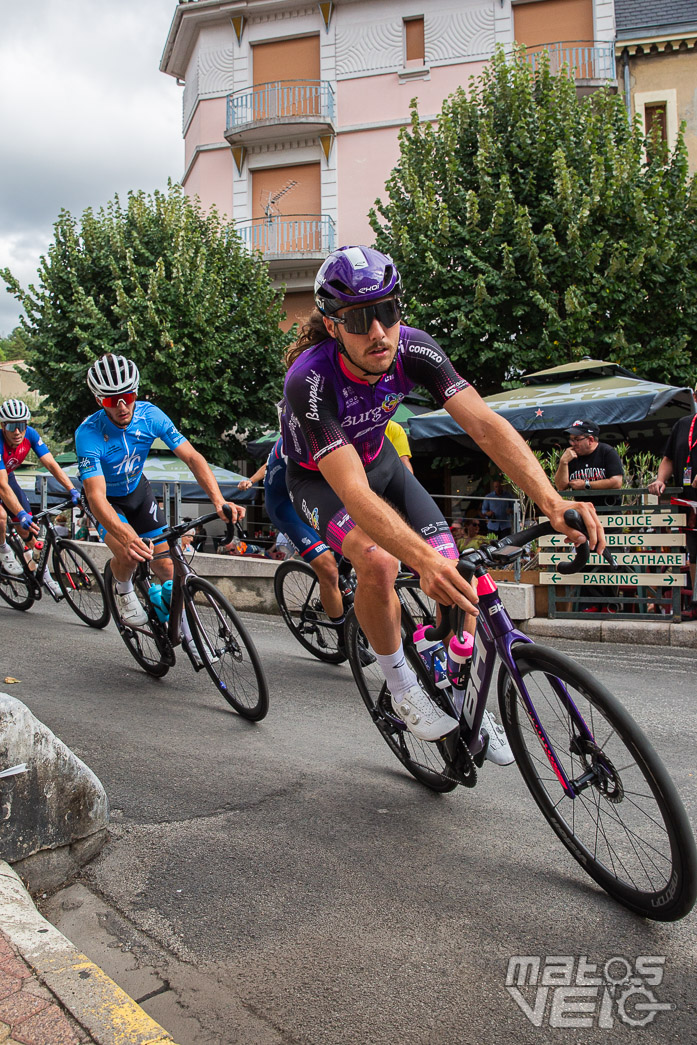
<point x="495" y="634"/>
<point x="49" y="540"/>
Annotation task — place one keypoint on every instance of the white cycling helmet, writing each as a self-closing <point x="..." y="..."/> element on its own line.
<point x="14" y="410"/>
<point x="113" y="374"/>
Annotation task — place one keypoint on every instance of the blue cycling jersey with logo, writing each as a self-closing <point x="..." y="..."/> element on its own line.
<point x="326" y="407"/>
<point x="119" y="454"/>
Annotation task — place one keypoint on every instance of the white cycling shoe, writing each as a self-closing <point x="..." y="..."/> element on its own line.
<point x="9" y="563"/>
<point x="130" y="609"/>
<point x="421" y="716"/>
<point x="499" y="750"/>
<point x="53" y="586"/>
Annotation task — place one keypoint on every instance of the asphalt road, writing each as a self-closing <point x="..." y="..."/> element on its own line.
<point x="291" y="883"/>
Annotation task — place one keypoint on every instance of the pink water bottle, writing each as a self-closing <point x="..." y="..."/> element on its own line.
<point x="460" y="660"/>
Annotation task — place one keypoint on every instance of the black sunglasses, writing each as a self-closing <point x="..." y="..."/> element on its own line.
<point x="360" y="320"/>
<point x="15" y="426"/>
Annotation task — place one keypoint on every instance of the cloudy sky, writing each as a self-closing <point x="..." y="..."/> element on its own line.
<point x="84" y="113"/>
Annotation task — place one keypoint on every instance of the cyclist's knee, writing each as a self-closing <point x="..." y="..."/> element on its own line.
<point x="374" y="566"/>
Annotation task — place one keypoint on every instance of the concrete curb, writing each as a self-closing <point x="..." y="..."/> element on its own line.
<point x="98" y="1004"/>
<point x="644" y="633"/>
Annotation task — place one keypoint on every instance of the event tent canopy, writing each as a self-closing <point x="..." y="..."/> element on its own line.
<point x="626" y="407"/>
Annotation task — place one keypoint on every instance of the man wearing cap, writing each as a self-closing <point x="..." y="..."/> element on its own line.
<point x="589" y="465"/>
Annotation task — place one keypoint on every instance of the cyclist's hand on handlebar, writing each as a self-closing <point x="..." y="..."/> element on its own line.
<point x="440" y="580"/>
<point x="74" y="495"/>
<point x="26" y="524"/>
<point x="136" y="549"/>
<point x="229" y="512"/>
<point x="596" y="534"/>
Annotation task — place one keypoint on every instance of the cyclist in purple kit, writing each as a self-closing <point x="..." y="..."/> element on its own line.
<point x="353" y="364"/>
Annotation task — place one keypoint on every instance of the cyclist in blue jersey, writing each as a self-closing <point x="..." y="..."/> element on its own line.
<point x="17" y="438"/>
<point x="112" y="446"/>
<point x="353" y="364"/>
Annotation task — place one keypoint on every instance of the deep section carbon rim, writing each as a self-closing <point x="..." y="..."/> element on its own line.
<point x="423" y="760"/>
<point x="146" y="644"/>
<point x="626" y="826"/>
<point x="226" y="648"/>
<point x="297" y="593"/>
<point x="81" y="584"/>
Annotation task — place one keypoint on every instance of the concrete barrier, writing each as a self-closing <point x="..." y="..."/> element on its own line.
<point x="248" y="583"/>
<point x="54" y="815"/>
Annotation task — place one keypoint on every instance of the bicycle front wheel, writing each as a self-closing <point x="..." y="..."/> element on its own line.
<point x="297" y="593"/>
<point x="147" y="643"/>
<point x="81" y="583"/>
<point x="424" y="760"/>
<point x="226" y="649"/>
<point x="625" y="825"/>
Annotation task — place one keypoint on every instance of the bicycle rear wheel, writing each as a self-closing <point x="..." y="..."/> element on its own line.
<point x="81" y="583"/>
<point x="626" y="826"/>
<point x="424" y="760"/>
<point x="148" y="644"/>
<point x="226" y="649"/>
<point x="297" y="593"/>
<point x="17" y="591"/>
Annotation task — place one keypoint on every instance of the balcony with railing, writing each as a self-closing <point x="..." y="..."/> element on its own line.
<point x="286" y="238"/>
<point x="592" y="65"/>
<point x="265" y="112"/>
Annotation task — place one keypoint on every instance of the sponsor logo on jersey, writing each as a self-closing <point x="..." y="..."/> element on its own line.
<point x="128" y="464"/>
<point x="306" y="540"/>
<point x="314" y="380"/>
<point x="452" y="389"/>
<point x="391" y="402"/>
<point x="84" y="463"/>
<point x="425" y="350"/>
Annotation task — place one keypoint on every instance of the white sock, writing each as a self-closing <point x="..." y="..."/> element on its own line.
<point x="123" y="587"/>
<point x="186" y="630"/>
<point x="397" y="672"/>
<point x="47" y="575"/>
<point x="4" y="547"/>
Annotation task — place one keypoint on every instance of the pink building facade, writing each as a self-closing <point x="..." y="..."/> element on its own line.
<point x="292" y="109"/>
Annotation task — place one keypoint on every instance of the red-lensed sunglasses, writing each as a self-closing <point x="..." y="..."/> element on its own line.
<point x="123" y="397"/>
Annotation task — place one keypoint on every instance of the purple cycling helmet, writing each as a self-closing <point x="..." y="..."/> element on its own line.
<point x="354" y="275"/>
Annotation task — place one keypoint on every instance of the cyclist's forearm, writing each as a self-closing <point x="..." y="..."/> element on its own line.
<point x="9" y="499"/>
<point x="108" y="518"/>
<point x="500" y="441"/>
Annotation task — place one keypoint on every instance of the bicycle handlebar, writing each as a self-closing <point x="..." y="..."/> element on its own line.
<point x="490" y="554"/>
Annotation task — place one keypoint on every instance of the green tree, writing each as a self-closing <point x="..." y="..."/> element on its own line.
<point x="13" y="346"/>
<point x="531" y="231"/>
<point x="175" y="290"/>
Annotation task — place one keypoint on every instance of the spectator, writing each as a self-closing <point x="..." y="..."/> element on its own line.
<point x="589" y="465"/>
<point x="472" y="537"/>
<point x="497" y="511"/>
<point x="83" y="530"/>
<point x="61" y="524"/>
<point x="680" y="462"/>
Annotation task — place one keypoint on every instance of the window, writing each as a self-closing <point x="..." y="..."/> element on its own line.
<point x="656" y="119"/>
<point x="414" y="46"/>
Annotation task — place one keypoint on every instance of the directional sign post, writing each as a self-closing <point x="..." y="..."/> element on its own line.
<point x="621" y="558"/>
<point x="653" y="580"/>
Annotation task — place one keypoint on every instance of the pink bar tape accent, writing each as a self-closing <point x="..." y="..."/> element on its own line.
<point x="419" y="633"/>
<point x="485" y="585"/>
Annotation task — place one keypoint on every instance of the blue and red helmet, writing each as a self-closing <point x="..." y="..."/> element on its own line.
<point x="353" y="276"/>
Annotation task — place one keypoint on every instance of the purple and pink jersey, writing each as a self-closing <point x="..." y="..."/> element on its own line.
<point x="326" y="407"/>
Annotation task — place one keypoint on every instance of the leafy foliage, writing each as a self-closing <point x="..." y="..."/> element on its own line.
<point x="530" y="231"/>
<point x="14" y="345"/>
<point x="175" y="290"/>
